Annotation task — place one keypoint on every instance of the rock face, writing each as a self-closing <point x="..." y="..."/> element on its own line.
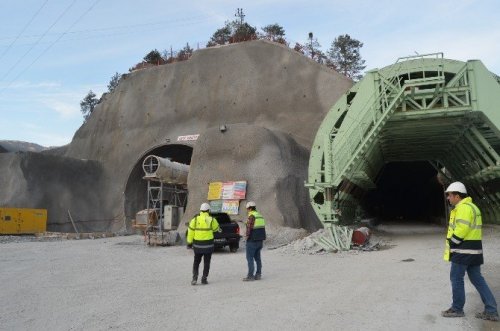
<point x="271" y="99"/>
<point x="58" y="184"/>
<point x="272" y="163"/>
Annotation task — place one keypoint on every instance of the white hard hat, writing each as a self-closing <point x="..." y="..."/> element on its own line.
<point x="205" y="207"/>
<point x="456" y="187"/>
<point x="250" y="204"/>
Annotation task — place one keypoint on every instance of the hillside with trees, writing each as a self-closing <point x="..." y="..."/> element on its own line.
<point x="343" y="55"/>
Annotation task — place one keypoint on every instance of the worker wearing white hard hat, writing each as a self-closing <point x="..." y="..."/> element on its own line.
<point x="465" y="252"/>
<point x="205" y="207"/>
<point x="250" y="204"/>
<point x="456" y="187"/>
<point x="200" y="237"/>
<point x="255" y="236"/>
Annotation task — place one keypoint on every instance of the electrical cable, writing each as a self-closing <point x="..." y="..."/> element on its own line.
<point x="52" y="44"/>
<point x="24" y="29"/>
<point x="122" y="27"/>
<point x="173" y="23"/>
<point x="36" y="43"/>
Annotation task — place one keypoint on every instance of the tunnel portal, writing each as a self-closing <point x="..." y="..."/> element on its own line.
<point x="136" y="187"/>
<point x="422" y="118"/>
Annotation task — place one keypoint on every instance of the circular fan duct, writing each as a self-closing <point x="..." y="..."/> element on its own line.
<point x="165" y="170"/>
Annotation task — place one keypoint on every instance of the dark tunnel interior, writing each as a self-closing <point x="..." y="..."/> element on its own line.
<point x="406" y="191"/>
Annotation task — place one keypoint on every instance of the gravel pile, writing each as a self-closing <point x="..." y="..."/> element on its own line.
<point x="307" y="245"/>
<point x="278" y="237"/>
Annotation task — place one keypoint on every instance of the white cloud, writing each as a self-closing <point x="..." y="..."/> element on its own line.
<point x="64" y="109"/>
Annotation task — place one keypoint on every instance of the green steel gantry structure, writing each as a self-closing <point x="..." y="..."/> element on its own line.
<point x="422" y="108"/>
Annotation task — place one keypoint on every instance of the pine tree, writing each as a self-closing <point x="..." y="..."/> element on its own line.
<point x="345" y="57"/>
<point x="88" y="104"/>
<point x="154" y="57"/>
<point x="274" y="32"/>
<point x="113" y="83"/>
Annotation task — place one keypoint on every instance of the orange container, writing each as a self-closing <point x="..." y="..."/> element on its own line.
<point x="360" y="236"/>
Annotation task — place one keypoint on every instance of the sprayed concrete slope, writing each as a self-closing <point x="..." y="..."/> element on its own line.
<point x="271" y="99"/>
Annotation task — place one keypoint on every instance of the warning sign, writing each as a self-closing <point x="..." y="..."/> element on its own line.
<point x="227" y="190"/>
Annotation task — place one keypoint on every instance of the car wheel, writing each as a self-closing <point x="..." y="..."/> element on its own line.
<point x="233" y="248"/>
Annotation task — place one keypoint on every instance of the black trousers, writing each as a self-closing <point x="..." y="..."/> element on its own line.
<point x="206" y="263"/>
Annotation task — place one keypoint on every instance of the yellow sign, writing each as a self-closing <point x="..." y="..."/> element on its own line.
<point x="214" y="191"/>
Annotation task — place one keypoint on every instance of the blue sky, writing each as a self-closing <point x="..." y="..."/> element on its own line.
<point x="54" y="51"/>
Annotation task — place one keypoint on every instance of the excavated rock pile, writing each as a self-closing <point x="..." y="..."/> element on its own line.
<point x="308" y="245"/>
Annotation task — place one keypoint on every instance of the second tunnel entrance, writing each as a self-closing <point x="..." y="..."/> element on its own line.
<point x="371" y="151"/>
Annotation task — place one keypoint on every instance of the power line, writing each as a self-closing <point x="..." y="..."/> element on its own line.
<point x="25" y="27"/>
<point x="173" y="23"/>
<point x="36" y="43"/>
<point x="50" y="46"/>
<point x="198" y="18"/>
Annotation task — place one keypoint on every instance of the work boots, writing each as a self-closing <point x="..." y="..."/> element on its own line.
<point x="488" y="316"/>
<point x="452" y="313"/>
<point x="195" y="280"/>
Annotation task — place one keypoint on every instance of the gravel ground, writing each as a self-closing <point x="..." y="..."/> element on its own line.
<point x="120" y="283"/>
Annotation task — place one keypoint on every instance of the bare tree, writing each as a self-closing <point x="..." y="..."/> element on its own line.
<point x="185" y="53"/>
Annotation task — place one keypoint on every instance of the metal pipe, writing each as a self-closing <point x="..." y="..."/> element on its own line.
<point x="166" y="171"/>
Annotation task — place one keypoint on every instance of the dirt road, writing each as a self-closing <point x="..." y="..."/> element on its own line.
<point x="119" y="283"/>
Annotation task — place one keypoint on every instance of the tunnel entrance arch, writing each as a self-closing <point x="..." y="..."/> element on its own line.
<point x="136" y="188"/>
<point x="422" y="108"/>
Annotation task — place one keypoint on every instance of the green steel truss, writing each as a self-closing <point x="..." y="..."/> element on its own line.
<point x="422" y="108"/>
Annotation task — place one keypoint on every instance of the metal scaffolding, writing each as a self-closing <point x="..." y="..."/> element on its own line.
<point x="422" y="108"/>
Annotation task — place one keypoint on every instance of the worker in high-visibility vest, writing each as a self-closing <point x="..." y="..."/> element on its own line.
<point x="200" y="237"/>
<point x="255" y="236"/>
<point x="465" y="251"/>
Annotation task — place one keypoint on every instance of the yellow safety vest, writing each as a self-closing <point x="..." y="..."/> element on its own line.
<point x="201" y="231"/>
<point x="259" y="227"/>
<point x="463" y="240"/>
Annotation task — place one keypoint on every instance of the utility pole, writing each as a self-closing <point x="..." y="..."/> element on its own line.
<point x="311" y="44"/>
<point x="239" y="13"/>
